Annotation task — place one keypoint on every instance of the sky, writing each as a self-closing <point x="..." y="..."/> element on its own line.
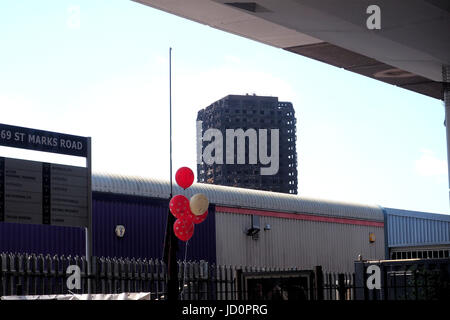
<point x="101" y="69"/>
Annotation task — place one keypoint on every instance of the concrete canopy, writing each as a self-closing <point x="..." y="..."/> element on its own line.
<point x="409" y="50"/>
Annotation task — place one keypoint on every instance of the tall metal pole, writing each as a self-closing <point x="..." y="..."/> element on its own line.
<point x="170" y="116"/>
<point x="89" y="205"/>
<point x="170" y="240"/>
<point x="446" y="85"/>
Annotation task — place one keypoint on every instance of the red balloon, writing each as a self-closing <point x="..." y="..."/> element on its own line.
<point x="183" y="229"/>
<point x="184" y="177"/>
<point x="179" y="207"/>
<point x="200" y="218"/>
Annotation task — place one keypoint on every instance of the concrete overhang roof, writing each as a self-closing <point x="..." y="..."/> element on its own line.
<point x="408" y="51"/>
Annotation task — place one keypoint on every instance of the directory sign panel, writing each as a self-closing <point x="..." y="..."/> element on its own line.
<point x="43" y="193"/>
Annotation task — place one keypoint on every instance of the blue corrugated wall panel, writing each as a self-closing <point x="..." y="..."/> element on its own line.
<point x="15" y="237"/>
<point x="145" y="224"/>
<point x="414" y="228"/>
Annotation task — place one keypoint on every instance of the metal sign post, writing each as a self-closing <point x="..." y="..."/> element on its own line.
<point x="89" y="209"/>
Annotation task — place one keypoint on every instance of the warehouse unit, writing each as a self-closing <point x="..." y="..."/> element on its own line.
<point x="414" y="234"/>
<point x="293" y="231"/>
<point x="244" y="227"/>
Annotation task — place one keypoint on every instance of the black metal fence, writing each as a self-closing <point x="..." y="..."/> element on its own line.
<point x="340" y="286"/>
<point x="31" y="274"/>
<point x="410" y="279"/>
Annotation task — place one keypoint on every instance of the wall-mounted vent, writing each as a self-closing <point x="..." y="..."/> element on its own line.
<point x="253" y="231"/>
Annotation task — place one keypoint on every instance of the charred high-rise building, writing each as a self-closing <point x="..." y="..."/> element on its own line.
<point x="250" y="113"/>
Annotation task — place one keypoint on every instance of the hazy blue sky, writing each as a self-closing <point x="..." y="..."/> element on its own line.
<point x="100" y="69"/>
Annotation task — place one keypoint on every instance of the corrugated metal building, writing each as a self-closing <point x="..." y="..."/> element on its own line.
<point x="303" y="232"/>
<point x="414" y="234"/>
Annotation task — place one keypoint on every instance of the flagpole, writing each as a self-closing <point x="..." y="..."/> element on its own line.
<point x="170" y="240"/>
<point x="170" y="117"/>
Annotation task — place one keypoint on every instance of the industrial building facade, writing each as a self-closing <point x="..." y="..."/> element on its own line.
<point x="252" y="112"/>
<point x="292" y="231"/>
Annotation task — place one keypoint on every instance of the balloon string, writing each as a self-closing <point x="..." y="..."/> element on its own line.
<point x="164" y="244"/>
<point x="184" y="271"/>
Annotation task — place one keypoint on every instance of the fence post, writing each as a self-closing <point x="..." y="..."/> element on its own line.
<point x="11" y="272"/>
<point x="63" y="268"/>
<point x="151" y="270"/>
<point x="385" y="284"/>
<point x="86" y="276"/>
<point x="164" y="278"/>
<point x="109" y="275"/>
<point x="197" y="280"/>
<point x="125" y="275"/>
<point x="161" y="279"/>
<point x="95" y="274"/>
<point x="152" y="277"/>
<point x="233" y="282"/>
<point x="115" y="275"/>
<point x="220" y="277"/>
<point x="1" y="273"/>
<point x="318" y="282"/>
<point x="53" y="274"/>
<point x="204" y="279"/>
<point x="42" y="272"/>
<point x="122" y="273"/>
<point x="76" y="261"/>
<point x="18" y="262"/>
<point x="48" y="273"/>
<point x="225" y="280"/>
<point x="134" y="275"/>
<point x="130" y="277"/>
<point x="181" y="266"/>
<point x="341" y="286"/>
<point x="138" y="275"/>
<point x="191" y="285"/>
<point x="146" y="276"/>
<point x="157" y="277"/>
<point x="132" y="271"/>
<point x="210" y="283"/>
<point x="239" y="288"/>
<point x="213" y="282"/>
<point x="19" y="272"/>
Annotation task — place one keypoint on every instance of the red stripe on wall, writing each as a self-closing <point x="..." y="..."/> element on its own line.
<point x="300" y="216"/>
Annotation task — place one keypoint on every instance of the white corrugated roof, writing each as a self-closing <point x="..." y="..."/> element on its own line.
<point x="234" y="197"/>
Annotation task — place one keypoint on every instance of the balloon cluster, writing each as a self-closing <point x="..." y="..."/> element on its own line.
<point x="188" y="212"/>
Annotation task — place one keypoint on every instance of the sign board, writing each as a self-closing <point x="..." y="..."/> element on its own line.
<point x="40" y="192"/>
<point x="43" y="193"/>
<point x="39" y="140"/>
<point x="46" y="193"/>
